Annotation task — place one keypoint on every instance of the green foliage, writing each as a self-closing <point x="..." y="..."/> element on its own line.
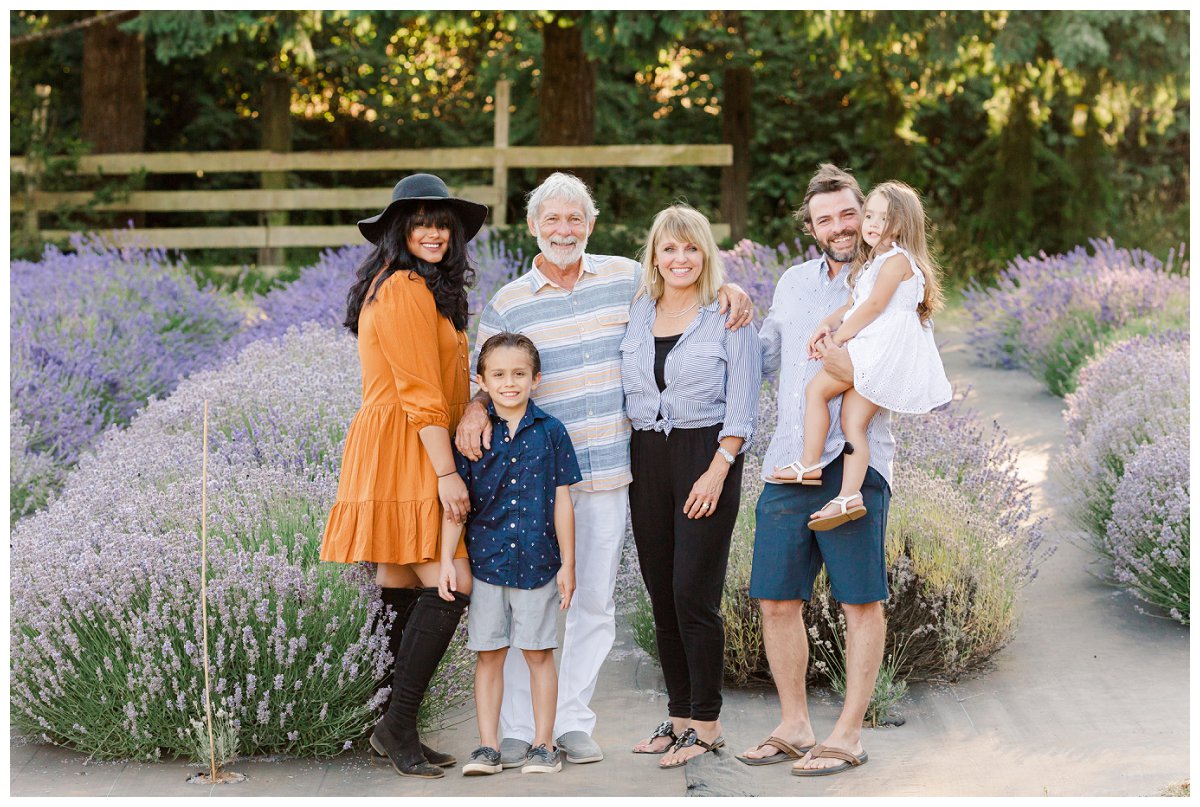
<point x="830" y="660"/>
<point x="1073" y="339"/>
<point x="1026" y="130"/>
<point x="953" y="574"/>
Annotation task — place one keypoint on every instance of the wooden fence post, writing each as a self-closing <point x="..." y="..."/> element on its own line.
<point x="37" y="160"/>
<point x="275" y="119"/>
<point x="500" y="141"/>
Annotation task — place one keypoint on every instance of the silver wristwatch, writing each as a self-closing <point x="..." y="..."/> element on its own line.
<point x="728" y="457"/>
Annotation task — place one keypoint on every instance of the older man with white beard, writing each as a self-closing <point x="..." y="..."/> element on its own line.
<point x="574" y="306"/>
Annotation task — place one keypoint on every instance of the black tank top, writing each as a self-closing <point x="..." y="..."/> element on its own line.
<point x="662" y="346"/>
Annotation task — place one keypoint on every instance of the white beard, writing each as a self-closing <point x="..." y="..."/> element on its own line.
<point x="561" y="255"/>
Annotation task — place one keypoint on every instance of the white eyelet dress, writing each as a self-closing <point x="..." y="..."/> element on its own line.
<point x="896" y="363"/>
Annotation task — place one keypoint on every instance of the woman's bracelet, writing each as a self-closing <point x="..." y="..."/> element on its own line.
<point x="447" y="474"/>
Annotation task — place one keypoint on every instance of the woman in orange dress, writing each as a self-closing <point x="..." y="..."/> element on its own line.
<point x="408" y="308"/>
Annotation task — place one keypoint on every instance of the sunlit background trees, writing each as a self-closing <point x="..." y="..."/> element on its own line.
<point x="1027" y="130"/>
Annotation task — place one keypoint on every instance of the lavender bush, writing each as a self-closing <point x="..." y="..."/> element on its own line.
<point x="961" y="542"/>
<point x="1048" y="313"/>
<point x="105" y="619"/>
<point x="1125" y="466"/>
<point x="1150" y="531"/>
<point x="94" y="334"/>
<point x="32" y="476"/>
<point x="1134" y="393"/>
<point x="757" y="268"/>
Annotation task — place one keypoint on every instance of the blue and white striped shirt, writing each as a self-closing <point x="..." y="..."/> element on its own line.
<point x="713" y="375"/>
<point x="804" y="296"/>
<point x="577" y="334"/>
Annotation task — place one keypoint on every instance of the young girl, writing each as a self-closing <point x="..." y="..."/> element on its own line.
<point x="886" y="329"/>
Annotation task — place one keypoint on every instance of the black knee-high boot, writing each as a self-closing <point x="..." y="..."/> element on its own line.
<point x="426" y="637"/>
<point x="402" y="601"/>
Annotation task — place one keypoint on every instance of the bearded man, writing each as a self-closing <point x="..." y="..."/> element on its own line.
<point x="788" y="554"/>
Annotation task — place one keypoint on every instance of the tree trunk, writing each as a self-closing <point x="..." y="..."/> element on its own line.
<point x="567" y="95"/>
<point x="113" y="117"/>
<point x="275" y="117"/>
<point x="737" y="129"/>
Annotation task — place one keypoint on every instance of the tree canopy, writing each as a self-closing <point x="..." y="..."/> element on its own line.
<point x="1025" y="130"/>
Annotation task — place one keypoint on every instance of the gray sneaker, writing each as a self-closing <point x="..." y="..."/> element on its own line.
<point x="542" y="760"/>
<point x="484" y="760"/>
<point x="579" y="747"/>
<point x="513" y="752"/>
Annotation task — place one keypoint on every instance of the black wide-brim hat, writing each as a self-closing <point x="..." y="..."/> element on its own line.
<point x="410" y="192"/>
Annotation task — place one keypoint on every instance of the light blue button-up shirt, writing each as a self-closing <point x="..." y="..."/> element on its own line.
<point x="804" y="296"/>
<point x="713" y="375"/>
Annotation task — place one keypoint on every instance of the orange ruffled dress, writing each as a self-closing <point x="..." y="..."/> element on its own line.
<point x="414" y="374"/>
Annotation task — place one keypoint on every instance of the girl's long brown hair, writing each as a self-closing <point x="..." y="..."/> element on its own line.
<point x="908" y="226"/>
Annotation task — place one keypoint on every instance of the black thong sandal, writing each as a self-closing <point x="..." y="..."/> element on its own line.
<point x="690" y="738"/>
<point x="665" y="729"/>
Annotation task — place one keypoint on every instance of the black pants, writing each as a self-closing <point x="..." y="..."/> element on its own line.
<point x="683" y="562"/>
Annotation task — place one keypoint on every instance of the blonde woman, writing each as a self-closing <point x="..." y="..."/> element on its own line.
<point x="691" y="393"/>
<point x="887" y="329"/>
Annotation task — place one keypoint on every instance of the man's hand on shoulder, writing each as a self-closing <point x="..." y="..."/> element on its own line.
<point x="737" y="303"/>
<point x="473" y="437"/>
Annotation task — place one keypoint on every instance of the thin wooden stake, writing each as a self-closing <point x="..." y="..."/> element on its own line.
<point x="212" y="750"/>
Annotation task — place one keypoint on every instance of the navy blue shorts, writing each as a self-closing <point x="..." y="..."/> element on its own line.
<point x="788" y="555"/>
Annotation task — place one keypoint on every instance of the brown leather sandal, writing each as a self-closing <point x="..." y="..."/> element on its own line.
<point x="786" y="751"/>
<point x="849" y="761"/>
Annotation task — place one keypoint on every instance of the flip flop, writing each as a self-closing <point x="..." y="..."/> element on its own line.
<point x="786" y="751"/>
<point x="849" y="761"/>
<point x="690" y="738"/>
<point x="665" y="729"/>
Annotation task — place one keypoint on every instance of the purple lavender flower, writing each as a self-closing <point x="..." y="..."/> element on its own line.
<point x="94" y="334"/>
<point x="1149" y="534"/>
<point x="1047" y="313"/>
<point x="128" y="515"/>
<point x="1133" y="393"/>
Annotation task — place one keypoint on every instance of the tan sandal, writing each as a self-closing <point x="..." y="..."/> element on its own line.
<point x="840" y="518"/>
<point x="849" y="761"/>
<point x="800" y="470"/>
<point x="786" y="751"/>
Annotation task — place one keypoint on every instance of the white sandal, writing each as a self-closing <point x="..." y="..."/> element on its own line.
<point x="800" y="470"/>
<point x="846" y="514"/>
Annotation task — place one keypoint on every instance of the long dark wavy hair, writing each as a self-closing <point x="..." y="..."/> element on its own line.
<point x="447" y="280"/>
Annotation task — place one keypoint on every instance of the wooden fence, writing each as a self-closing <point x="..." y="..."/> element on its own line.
<point x="499" y="158"/>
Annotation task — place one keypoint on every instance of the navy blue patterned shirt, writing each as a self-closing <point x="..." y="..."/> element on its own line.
<point x="510" y="533"/>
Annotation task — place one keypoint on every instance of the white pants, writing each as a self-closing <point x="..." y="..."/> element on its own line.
<point x="591" y="621"/>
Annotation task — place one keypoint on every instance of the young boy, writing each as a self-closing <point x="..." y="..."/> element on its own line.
<point x="521" y="542"/>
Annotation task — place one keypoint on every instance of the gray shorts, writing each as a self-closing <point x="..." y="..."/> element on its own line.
<point x="500" y="616"/>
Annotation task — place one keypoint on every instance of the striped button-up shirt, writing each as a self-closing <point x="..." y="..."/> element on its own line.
<point x="804" y="296"/>
<point x="713" y="375"/>
<point x="578" y="334"/>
